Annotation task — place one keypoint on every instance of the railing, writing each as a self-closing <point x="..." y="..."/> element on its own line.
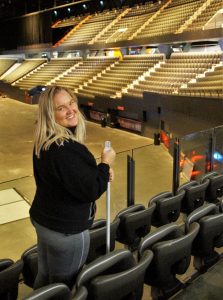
<point x="200" y="152"/>
<point x="143" y="172"/>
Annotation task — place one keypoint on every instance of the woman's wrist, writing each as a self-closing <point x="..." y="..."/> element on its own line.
<point x="105" y="162"/>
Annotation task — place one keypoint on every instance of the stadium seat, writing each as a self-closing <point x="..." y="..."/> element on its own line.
<point x="194" y="195"/>
<point x="135" y="223"/>
<point x="215" y="187"/>
<point x="171" y="247"/>
<point x="115" y="275"/>
<point x="30" y="268"/>
<point x="56" y="291"/>
<point x="9" y="278"/>
<point x="98" y="238"/>
<point x="210" y="235"/>
<point x="167" y="209"/>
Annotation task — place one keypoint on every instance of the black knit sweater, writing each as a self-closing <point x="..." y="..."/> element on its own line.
<point x="68" y="182"/>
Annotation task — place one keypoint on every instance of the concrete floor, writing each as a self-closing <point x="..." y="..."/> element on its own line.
<point x="153" y="171"/>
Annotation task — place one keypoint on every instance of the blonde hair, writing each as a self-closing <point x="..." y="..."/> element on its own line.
<point x="47" y="130"/>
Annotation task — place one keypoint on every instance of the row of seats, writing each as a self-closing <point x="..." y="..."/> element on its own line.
<point x="172" y="76"/>
<point x="206" y="15"/>
<point x="134" y="74"/>
<point x="162" y="253"/>
<point x="140" y="21"/>
<point x="45" y="72"/>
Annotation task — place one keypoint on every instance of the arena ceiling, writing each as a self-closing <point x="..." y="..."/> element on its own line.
<point x="16" y="8"/>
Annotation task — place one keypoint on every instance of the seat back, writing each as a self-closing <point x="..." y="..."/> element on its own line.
<point x="30" y="269"/>
<point x="5" y="263"/>
<point x="194" y="195"/>
<point x="135" y="223"/>
<point x="55" y="291"/>
<point x="172" y="255"/>
<point x="98" y="238"/>
<point x="115" y="276"/>
<point x="215" y="187"/>
<point x="167" y="209"/>
<point x="9" y="278"/>
<point x="210" y="235"/>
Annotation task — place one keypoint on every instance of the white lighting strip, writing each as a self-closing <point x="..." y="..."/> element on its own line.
<point x="10" y="70"/>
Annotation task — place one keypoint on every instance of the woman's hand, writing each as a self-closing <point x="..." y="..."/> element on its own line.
<point x="111" y="174"/>
<point x="108" y="156"/>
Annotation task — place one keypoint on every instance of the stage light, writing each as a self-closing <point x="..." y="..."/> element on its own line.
<point x="55" y="13"/>
<point x="69" y="9"/>
<point x="218" y="156"/>
<point x="84" y="6"/>
<point x="102" y="3"/>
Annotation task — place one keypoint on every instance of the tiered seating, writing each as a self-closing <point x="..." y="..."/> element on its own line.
<point x="121" y="74"/>
<point x="5" y="64"/>
<point x="202" y="19"/>
<point x="211" y="85"/>
<point x="45" y="73"/>
<point x="175" y="72"/>
<point x="90" y="28"/>
<point x="163" y="249"/>
<point x="84" y="71"/>
<point x="72" y="21"/>
<point x="25" y="67"/>
<point x="128" y="24"/>
<point x="171" y="18"/>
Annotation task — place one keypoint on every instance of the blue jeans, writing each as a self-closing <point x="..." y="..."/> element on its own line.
<point x="60" y="255"/>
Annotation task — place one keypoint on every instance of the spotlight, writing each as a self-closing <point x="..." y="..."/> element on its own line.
<point x="218" y="156"/>
<point x="55" y="13"/>
<point x="69" y="9"/>
<point x="84" y="6"/>
<point x="102" y="3"/>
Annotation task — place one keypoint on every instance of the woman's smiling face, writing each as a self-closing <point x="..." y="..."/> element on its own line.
<point x="65" y="109"/>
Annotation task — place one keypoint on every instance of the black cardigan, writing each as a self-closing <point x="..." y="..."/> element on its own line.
<point x="68" y="182"/>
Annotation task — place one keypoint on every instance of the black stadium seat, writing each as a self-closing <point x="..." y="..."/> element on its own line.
<point x="210" y="235"/>
<point x="215" y="187"/>
<point x="57" y="291"/>
<point x="115" y="276"/>
<point x="194" y="195"/>
<point x="98" y="238"/>
<point x="171" y="247"/>
<point x="135" y="223"/>
<point x="30" y="268"/>
<point x="10" y="272"/>
<point x="167" y="209"/>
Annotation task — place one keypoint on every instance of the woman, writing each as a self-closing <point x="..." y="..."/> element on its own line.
<point x="68" y="182"/>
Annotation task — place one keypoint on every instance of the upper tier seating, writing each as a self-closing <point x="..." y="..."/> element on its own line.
<point x="124" y="28"/>
<point x="206" y="15"/>
<point x="72" y="21"/>
<point x="140" y="21"/>
<point x="89" y="28"/>
<point x="170" y="18"/>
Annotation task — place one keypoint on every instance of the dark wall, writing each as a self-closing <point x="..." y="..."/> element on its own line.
<point x="182" y="115"/>
<point x="179" y="115"/>
<point x="25" y="31"/>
